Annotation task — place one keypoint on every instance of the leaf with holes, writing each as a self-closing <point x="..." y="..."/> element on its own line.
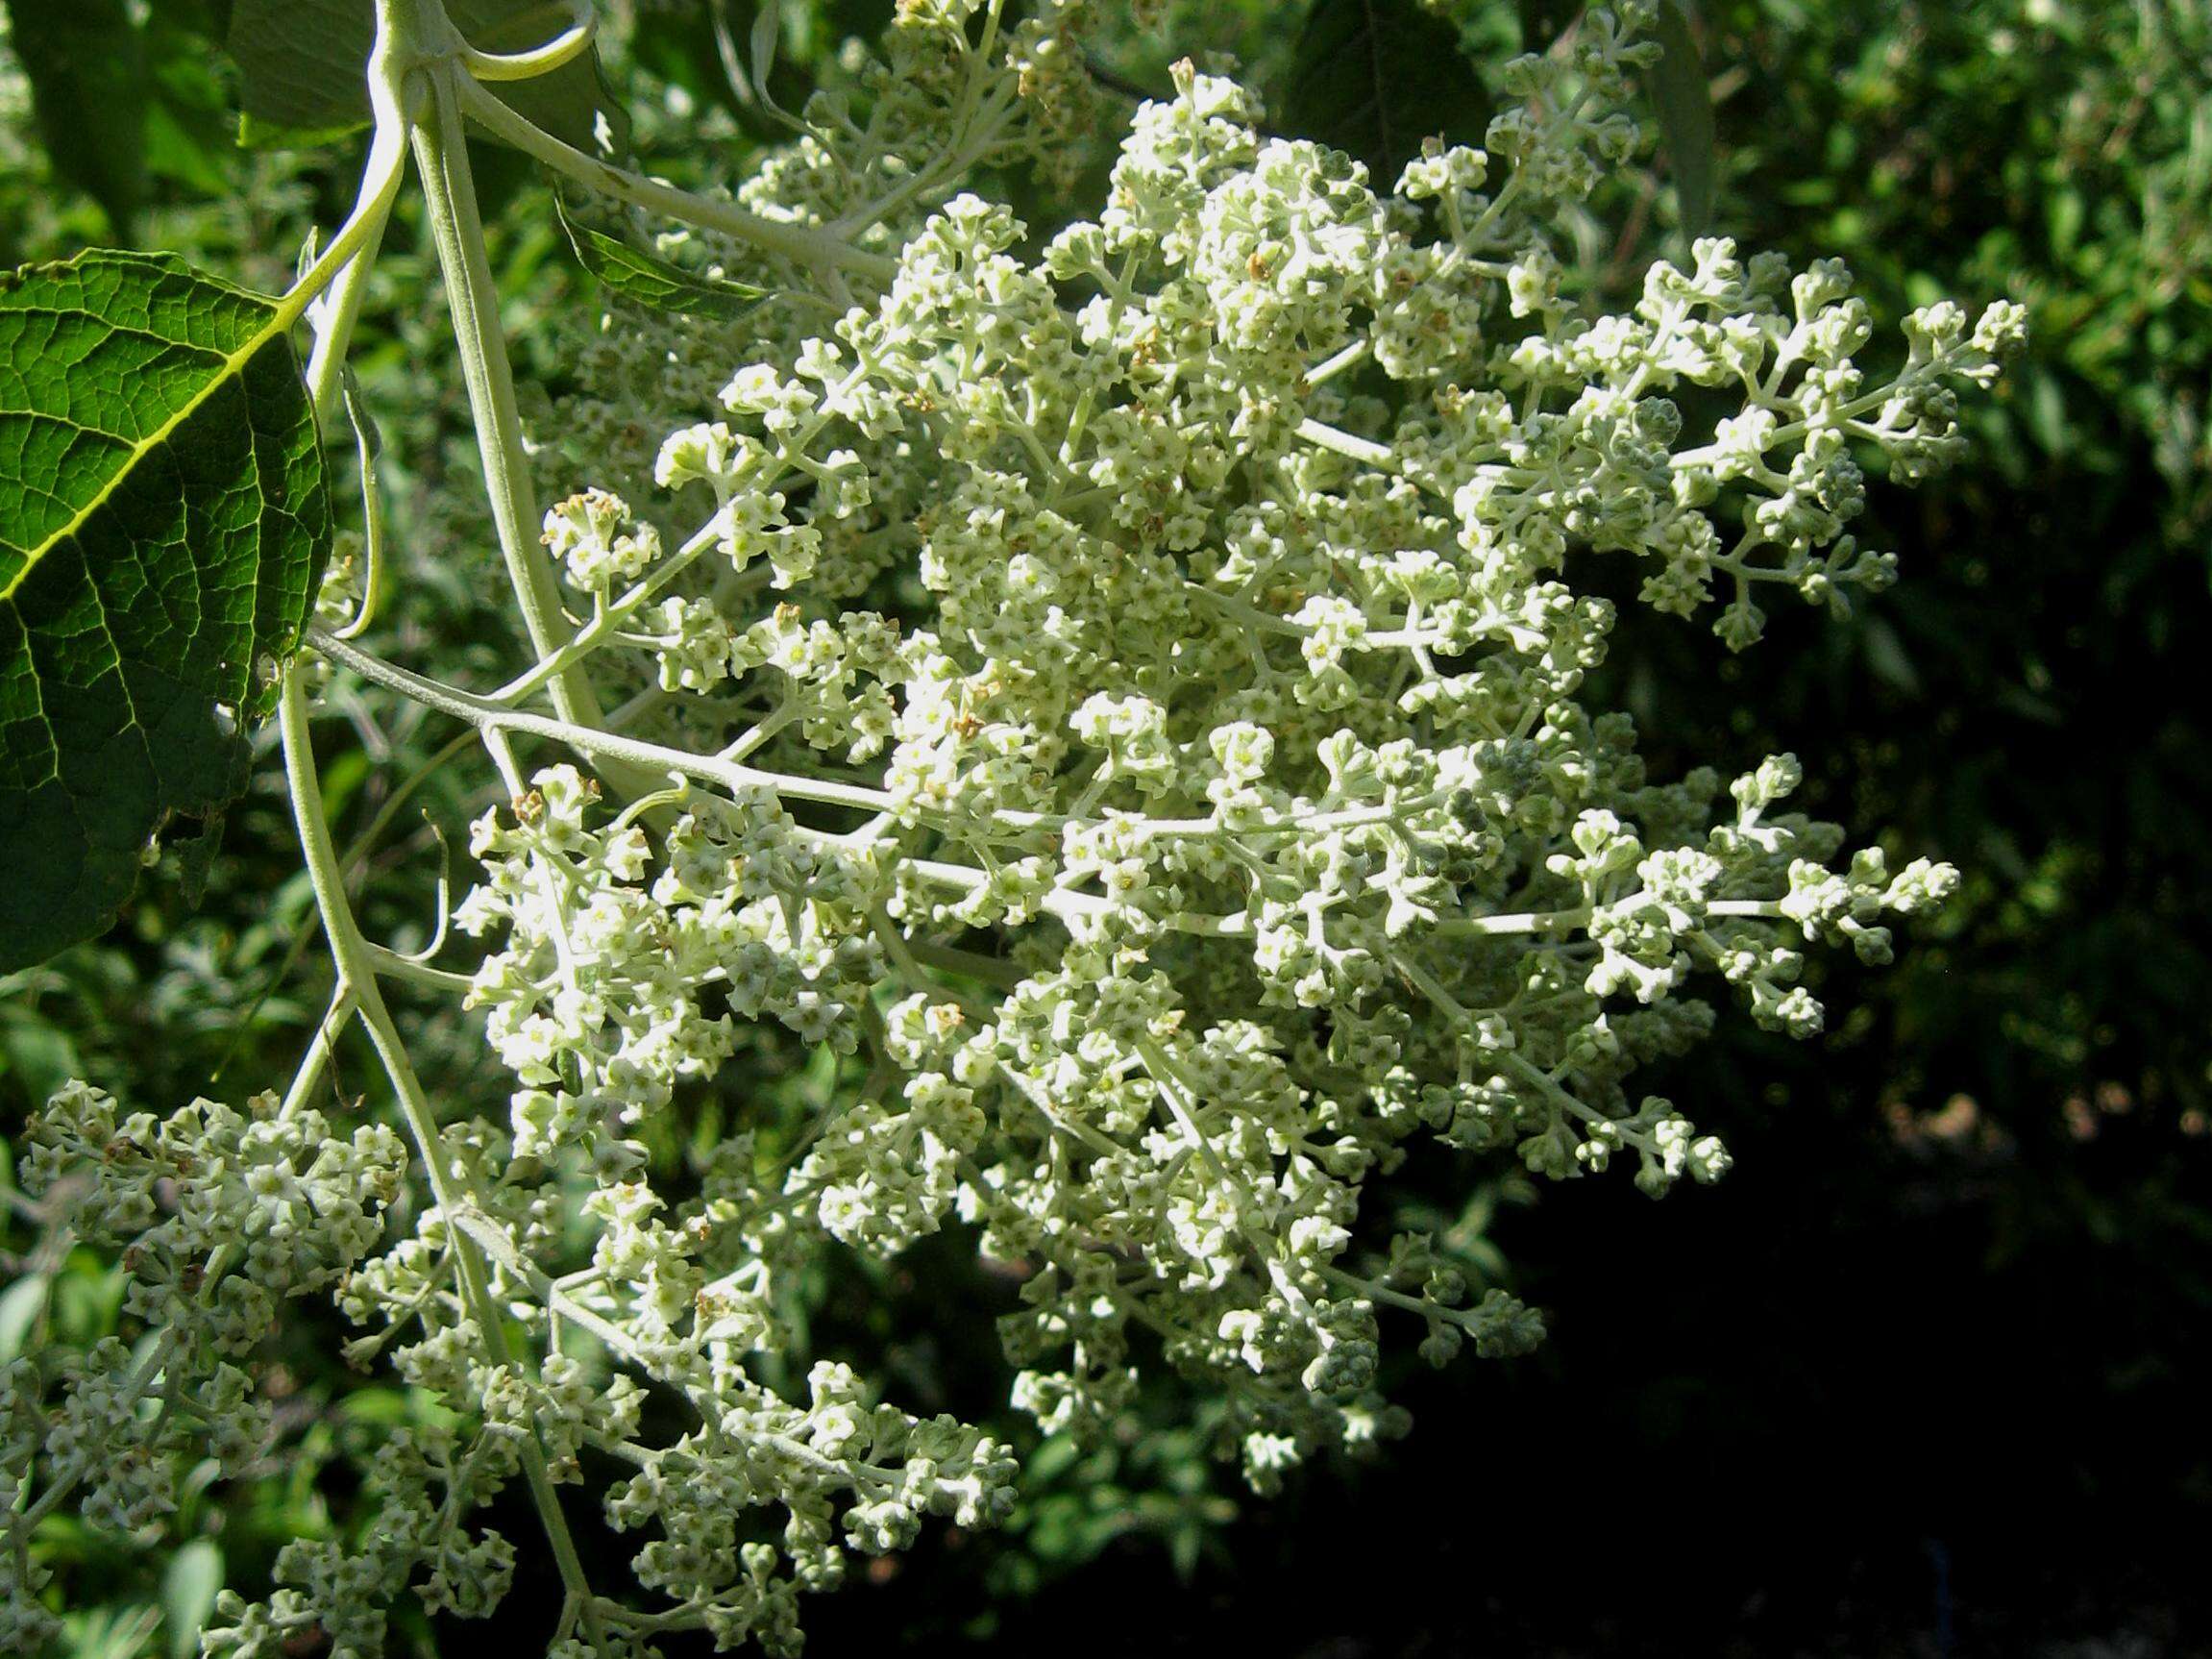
<point x="164" y="521"/>
<point x="1374" y="78"/>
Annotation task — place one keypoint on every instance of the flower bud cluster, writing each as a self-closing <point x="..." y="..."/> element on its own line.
<point x="895" y="128"/>
<point x="218" y="1215"/>
<point x="1237" y="826"/>
<point x="624" y="966"/>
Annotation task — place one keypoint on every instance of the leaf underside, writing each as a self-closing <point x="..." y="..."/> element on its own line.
<point x="647" y="279"/>
<point x="164" y="521"/>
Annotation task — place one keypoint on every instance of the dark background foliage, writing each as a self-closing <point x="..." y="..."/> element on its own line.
<point x="1927" y="1374"/>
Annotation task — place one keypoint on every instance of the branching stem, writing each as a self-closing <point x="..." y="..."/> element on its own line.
<point x="358" y="968"/>
<point x="808" y="248"/>
<point x="448" y="193"/>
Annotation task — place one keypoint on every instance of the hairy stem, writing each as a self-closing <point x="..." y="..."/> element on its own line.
<point x="813" y="249"/>
<point x="448" y="192"/>
<point x="359" y="240"/>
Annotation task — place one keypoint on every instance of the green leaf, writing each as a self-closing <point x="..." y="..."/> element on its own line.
<point x="1374" y="78"/>
<point x="35" y="1052"/>
<point x="164" y="521"/>
<point x="303" y="66"/>
<point x="1683" y="97"/>
<point x="210" y="19"/>
<point x="191" y="125"/>
<point x="189" y="1591"/>
<point x="257" y="133"/>
<point x="87" y="65"/>
<point x="651" y="281"/>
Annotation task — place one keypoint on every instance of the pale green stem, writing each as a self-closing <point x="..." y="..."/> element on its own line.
<point x="1324" y="436"/>
<point x="1744" y="907"/>
<point x="327" y="1031"/>
<point x="1466" y="1318"/>
<point x="1063" y="902"/>
<point x="994" y="970"/>
<point x="340" y="308"/>
<point x="563" y="48"/>
<point x="1572" y="1104"/>
<point x="448" y="193"/>
<point x="377" y="567"/>
<point x="1432" y="989"/>
<point x="1331" y="367"/>
<point x="365" y="223"/>
<point x="1791" y="431"/>
<point x="662" y="762"/>
<point x="393" y="965"/>
<point x="1515" y="922"/>
<point x="356" y="965"/>
<point x="797" y="243"/>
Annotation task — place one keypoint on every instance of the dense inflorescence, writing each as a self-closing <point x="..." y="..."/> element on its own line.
<point x="1122" y="683"/>
<point x="219" y="1216"/>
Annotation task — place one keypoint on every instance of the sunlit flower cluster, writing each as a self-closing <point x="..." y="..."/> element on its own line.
<point x="1123" y="683"/>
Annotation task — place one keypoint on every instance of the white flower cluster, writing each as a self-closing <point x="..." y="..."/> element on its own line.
<point x="876" y="150"/>
<point x="1221" y="823"/>
<point x="1128" y="697"/>
<point x="219" y="1215"/>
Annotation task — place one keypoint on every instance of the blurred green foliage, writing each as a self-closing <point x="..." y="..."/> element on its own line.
<point x="2031" y="697"/>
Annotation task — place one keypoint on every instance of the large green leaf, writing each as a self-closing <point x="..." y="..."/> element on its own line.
<point x="164" y="521"/>
<point x="191" y="124"/>
<point x="86" y="61"/>
<point x="1374" y="78"/>
<point x="302" y="64"/>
